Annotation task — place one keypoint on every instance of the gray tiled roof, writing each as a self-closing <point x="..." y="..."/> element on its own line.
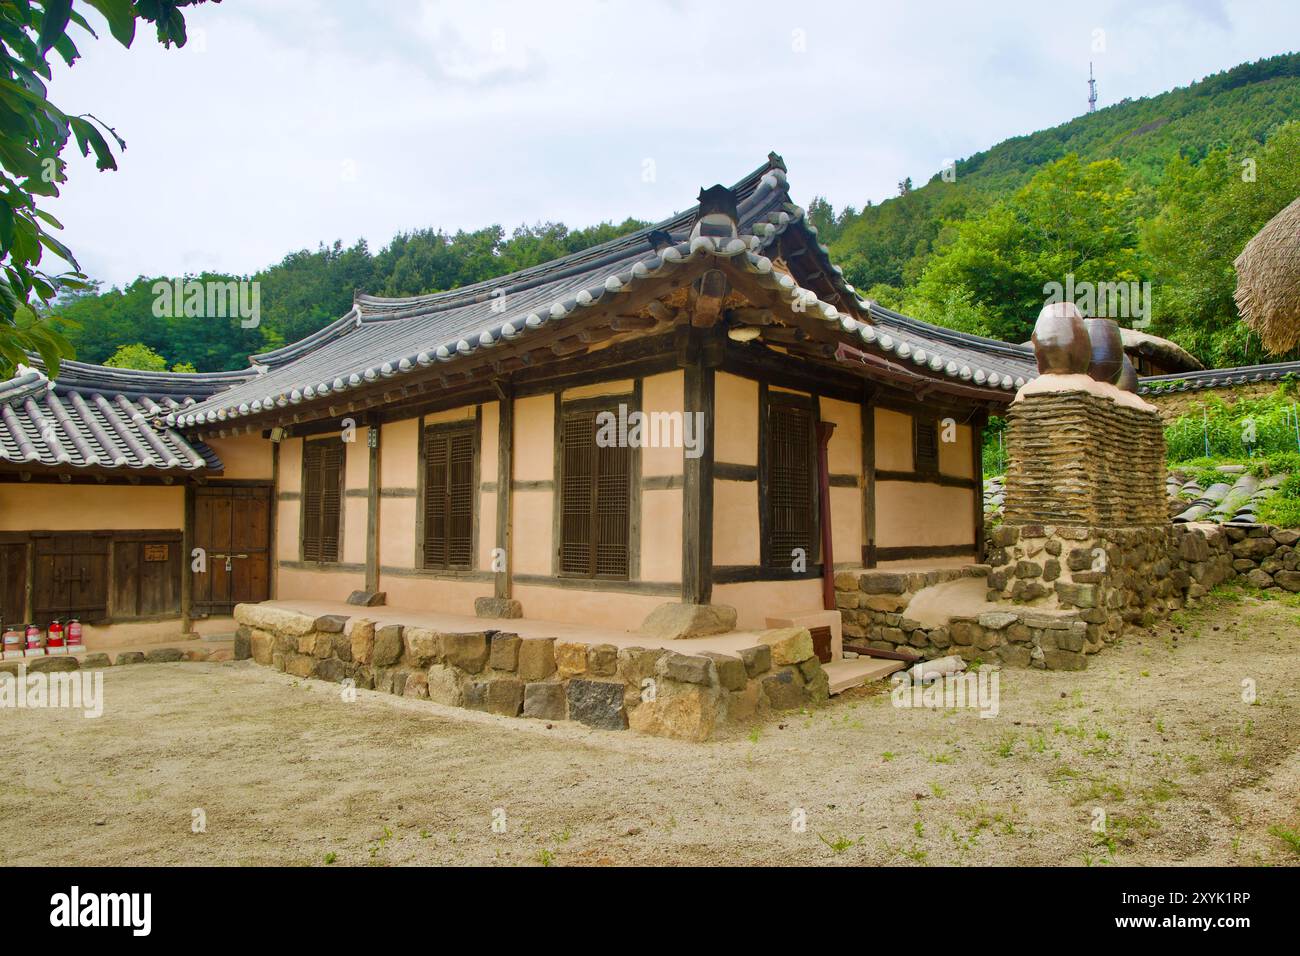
<point x="382" y="338"/>
<point x="100" y="418"/>
<point x="1234" y="500"/>
<point x="1217" y="378"/>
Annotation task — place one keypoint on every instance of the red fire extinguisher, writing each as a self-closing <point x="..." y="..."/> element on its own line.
<point x="13" y="641"/>
<point x="54" y="638"/>
<point x="74" y="636"/>
<point x="34" y="648"/>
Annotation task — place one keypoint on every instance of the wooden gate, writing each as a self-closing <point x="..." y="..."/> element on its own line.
<point x="232" y="523"/>
<point x="71" y="578"/>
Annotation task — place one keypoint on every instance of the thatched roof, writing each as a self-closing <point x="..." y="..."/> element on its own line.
<point x="1268" y="281"/>
<point x="1161" y="352"/>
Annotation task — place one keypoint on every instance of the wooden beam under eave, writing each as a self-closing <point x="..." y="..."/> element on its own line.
<point x="706" y="297"/>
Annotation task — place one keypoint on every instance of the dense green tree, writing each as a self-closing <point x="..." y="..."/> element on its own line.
<point x="1207" y="214"/>
<point x="1071" y="220"/>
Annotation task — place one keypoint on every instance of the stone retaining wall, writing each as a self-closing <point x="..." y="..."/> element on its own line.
<point x="1066" y="592"/>
<point x="875" y="611"/>
<point x="653" y="690"/>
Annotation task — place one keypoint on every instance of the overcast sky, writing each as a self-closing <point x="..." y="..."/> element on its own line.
<point x="285" y="123"/>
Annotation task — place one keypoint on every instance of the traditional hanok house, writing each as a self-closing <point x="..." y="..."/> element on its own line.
<point x="97" y="496"/>
<point x="699" y="412"/>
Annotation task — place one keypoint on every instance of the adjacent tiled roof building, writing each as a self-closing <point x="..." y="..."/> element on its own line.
<point x="96" y="419"/>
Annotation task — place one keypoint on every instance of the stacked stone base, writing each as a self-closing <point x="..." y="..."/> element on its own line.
<point x="1081" y="459"/>
<point x="654" y="690"/>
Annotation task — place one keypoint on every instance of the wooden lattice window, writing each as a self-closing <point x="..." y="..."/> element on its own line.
<point x="926" y="446"/>
<point x="790" y="463"/>
<point x="449" y="496"/>
<point x="595" y="484"/>
<point x="322" y="498"/>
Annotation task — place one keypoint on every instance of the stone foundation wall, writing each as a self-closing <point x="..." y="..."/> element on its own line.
<point x="1082" y="460"/>
<point x="653" y="690"/>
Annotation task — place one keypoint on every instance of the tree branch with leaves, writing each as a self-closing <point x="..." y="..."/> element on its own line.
<point x="33" y="134"/>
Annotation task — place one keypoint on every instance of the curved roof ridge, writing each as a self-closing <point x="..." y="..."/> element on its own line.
<point x="90" y="377"/>
<point x="325" y="334"/>
<point x="610" y="251"/>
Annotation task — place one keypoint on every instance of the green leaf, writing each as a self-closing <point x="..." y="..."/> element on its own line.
<point x="54" y="22"/>
<point x="6" y="228"/>
<point x="120" y="16"/>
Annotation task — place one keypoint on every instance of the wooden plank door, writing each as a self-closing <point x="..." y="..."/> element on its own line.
<point x="71" y="578"/>
<point x="232" y="523"/>
<point x="13" y="582"/>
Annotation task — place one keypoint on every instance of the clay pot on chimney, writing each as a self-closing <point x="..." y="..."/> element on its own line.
<point x="1128" y="377"/>
<point x="1060" y="340"/>
<point x="1107" y="348"/>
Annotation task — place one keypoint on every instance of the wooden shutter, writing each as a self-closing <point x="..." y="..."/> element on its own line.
<point x="926" y="445"/>
<point x="594" y="501"/>
<point x="322" y="499"/>
<point x="789" y="483"/>
<point x="449" y="497"/>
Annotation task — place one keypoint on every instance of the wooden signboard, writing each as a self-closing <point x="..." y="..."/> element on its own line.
<point x="156" y="552"/>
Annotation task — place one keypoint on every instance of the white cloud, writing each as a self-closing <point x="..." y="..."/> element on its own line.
<point x="301" y="121"/>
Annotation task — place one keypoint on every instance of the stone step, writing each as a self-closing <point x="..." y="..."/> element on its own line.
<point x="844" y="675"/>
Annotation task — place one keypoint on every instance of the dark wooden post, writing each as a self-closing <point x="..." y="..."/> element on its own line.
<point x="187" y="573"/>
<point x="977" y="471"/>
<point x="505" y="483"/>
<point x="373" y="433"/>
<point x="824" y="432"/>
<point x="699" y="357"/>
<point x="273" y="542"/>
<point x="868" y="478"/>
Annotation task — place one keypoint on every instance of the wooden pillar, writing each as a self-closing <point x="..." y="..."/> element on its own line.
<point x="273" y="539"/>
<point x="699" y="360"/>
<point x="869" y="478"/>
<point x="505" y="486"/>
<point x="187" y="573"/>
<point x="824" y="432"/>
<point x="373" y="433"/>
<point x="977" y="470"/>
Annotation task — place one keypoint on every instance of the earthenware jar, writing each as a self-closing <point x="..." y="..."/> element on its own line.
<point x="1128" y="377"/>
<point x="1060" y="340"/>
<point x="1107" y="349"/>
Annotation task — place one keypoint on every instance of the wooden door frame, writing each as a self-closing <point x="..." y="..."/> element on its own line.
<point x="191" y="496"/>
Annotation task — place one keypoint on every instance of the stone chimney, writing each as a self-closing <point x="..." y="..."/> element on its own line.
<point x="1082" y="452"/>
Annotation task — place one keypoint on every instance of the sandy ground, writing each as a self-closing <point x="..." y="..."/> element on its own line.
<point x="1155" y="735"/>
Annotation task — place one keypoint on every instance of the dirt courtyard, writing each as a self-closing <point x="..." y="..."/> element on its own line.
<point x="1154" y="738"/>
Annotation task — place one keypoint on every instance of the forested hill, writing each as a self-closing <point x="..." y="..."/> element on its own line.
<point x="1236" y="110"/>
<point x="1163" y="190"/>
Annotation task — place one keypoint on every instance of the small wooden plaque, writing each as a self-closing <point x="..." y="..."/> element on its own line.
<point x="156" y="552"/>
